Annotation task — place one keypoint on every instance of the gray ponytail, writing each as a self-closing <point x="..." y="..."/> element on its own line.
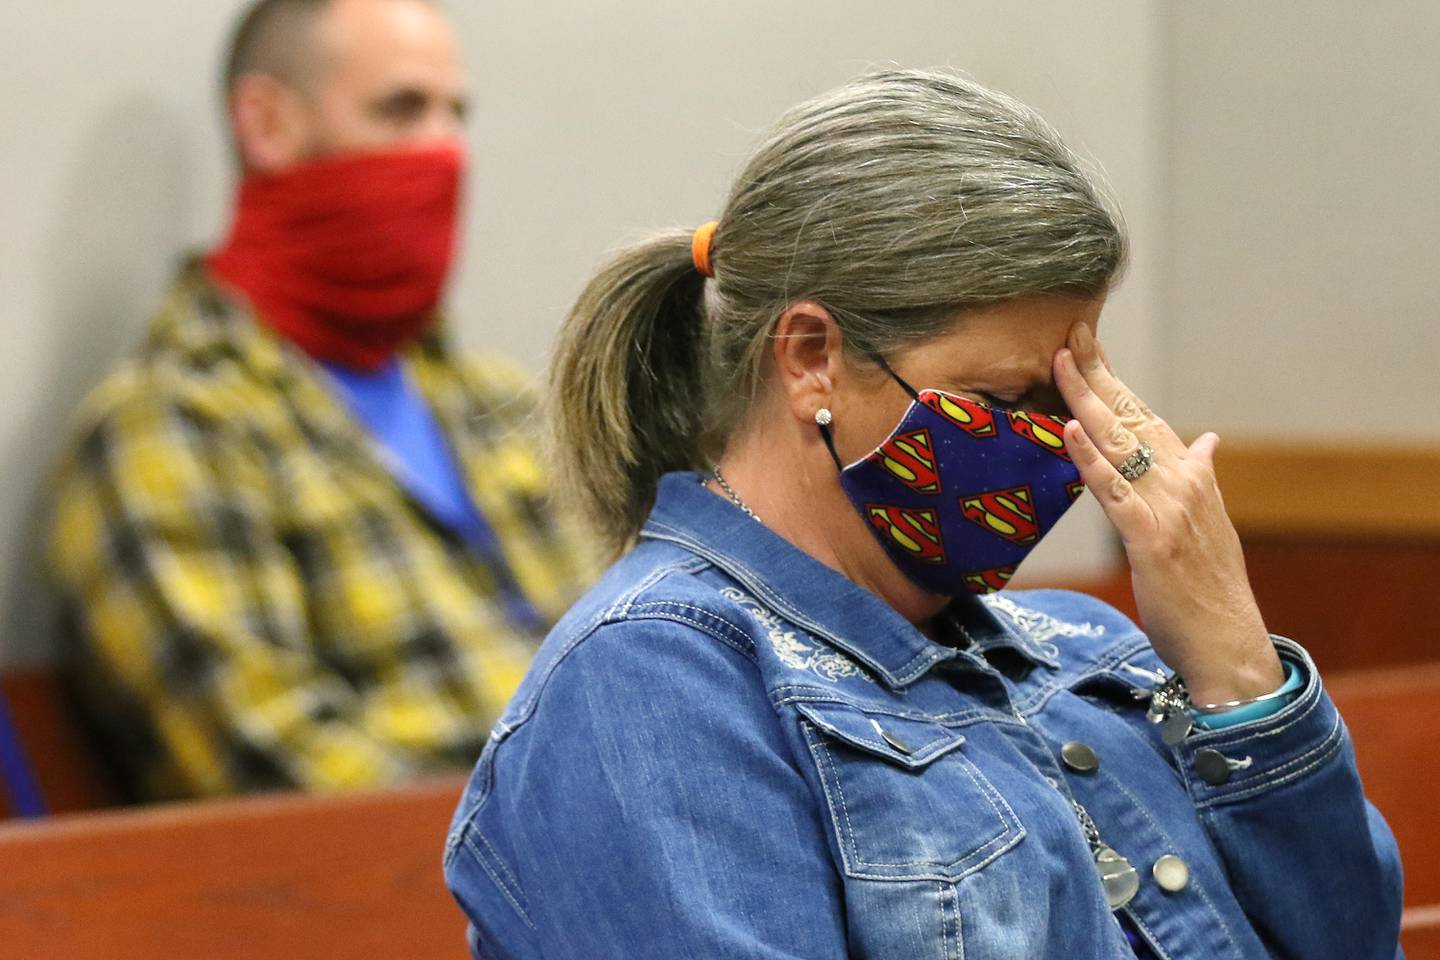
<point x="624" y="385"/>
<point x="897" y="200"/>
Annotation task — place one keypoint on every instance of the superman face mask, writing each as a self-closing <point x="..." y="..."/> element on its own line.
<point x="960" y="492"/>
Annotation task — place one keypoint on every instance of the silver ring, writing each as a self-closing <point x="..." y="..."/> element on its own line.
<point x="1133" y="467"/>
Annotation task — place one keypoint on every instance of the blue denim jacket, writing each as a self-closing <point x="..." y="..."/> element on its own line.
<point x="728" y="749"/>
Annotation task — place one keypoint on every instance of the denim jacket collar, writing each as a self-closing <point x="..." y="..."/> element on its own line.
<point x="813" y="596"/>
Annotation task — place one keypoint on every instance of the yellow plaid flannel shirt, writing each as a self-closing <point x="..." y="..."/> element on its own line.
<point x="260" y="602"/>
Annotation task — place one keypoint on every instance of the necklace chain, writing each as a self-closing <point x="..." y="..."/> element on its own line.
<point x="1092" y="832"/>
<point x="730" y="492"/>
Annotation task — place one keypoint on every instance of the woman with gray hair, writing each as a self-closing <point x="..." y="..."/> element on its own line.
<point x="800" y="717"/>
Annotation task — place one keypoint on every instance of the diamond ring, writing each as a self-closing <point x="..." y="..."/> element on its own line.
<point x="1133" y="467"/>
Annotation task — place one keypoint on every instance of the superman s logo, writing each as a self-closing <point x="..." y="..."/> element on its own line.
<point x="1006" y="513"/>
<point x="910" y="458"/>
<point x="1043" y="431"/>
<point x="988" y="581"/>
<point x="915" y="531"/>
<point x="974" y="418"/>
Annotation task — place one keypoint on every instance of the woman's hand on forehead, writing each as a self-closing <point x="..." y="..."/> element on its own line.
<point x="1187" y="567"/>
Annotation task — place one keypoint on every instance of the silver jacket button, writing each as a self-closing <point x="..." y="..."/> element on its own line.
<point x="1171" y="873"/>
<point x="1212" y="766"/>
<point x="1079" y="757"/>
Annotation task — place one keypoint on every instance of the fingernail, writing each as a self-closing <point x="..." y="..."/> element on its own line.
<point x="1083" y="338"/>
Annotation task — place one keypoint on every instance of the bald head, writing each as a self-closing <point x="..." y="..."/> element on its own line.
<point x="309" y="77"/>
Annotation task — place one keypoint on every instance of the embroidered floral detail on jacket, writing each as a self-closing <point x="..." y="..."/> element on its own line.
<point x="790" y="649"/>
<point x="1040" y="628"/>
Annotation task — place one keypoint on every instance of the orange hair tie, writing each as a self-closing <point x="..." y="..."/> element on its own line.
<point x="700" y="248"/>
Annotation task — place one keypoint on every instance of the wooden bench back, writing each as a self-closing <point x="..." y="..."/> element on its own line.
<point x="69" y="775"/>
<point x="275" y="877"/>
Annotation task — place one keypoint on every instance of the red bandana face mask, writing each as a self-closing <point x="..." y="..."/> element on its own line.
<point x="347" y="256"/>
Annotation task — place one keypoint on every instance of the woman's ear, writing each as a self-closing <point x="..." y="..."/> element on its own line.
<point x="809" y="358"/>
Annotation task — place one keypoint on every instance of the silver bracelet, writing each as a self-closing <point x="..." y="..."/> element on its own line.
<point x="1170" y="707"/>
<point x="1232" y="704"/>
<point x="1172" y="697"/>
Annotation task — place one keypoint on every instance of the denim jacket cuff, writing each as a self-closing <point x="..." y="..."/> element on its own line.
<point x="1237" y="762"/>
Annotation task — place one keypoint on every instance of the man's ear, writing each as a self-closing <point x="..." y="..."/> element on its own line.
<point x="808" y="358"/>
<point x="270" y="123"/>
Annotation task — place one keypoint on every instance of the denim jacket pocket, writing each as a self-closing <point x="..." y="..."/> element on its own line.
<point x="904" y="800"/>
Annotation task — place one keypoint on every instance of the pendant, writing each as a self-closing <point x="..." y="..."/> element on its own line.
<point x="1120" y="880"/>
<point x="1176" y="728"/>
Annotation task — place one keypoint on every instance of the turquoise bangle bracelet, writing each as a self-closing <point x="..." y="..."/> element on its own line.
<point x="1294" y="680"/>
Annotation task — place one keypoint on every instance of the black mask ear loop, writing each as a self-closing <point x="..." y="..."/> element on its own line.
<point x="830" y="443"/>
<point x="914" y="394"/>
<point x="825" y="425"/>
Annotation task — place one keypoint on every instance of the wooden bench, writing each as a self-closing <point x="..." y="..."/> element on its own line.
<point x="1393" y="715"/>
<point x="355" y="875"/>
<point x="70" y="778"/>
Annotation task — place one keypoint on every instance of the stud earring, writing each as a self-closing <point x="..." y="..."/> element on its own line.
<point x="823" y="417"/>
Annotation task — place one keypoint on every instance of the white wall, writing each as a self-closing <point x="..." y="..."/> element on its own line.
<point x="593" y="122"/>
<point x="109" y="164"/>
<point x="1304" y="291"/>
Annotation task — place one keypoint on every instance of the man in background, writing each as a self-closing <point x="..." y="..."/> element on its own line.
<point x="302" y="543"/>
